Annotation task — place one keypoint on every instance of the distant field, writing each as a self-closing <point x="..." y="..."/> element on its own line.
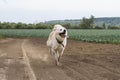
<point x="25" y="32"/>
<point x="102" y="36"/>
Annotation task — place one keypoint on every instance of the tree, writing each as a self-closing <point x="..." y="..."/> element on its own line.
<point x="91" y="21"/>
<point x="67" y="25"/>
<point x="104" y="25"/>
<point x="18" y="25"/>
<point x="87" y="23"/>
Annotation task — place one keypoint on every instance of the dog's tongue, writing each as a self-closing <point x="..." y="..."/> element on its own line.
<point x="63" y="35"/>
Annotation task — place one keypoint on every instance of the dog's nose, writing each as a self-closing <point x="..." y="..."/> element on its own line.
<point x="64" y="31"/>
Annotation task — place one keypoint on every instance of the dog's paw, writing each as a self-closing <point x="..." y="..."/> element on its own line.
<point x="59" y="64"/>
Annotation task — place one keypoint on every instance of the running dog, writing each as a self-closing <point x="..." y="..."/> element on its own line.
<point x="57" y="41"/>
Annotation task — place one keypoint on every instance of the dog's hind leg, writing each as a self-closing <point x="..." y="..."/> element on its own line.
<point x="51" y="52"/>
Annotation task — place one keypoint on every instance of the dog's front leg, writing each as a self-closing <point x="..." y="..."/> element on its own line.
<point x="61" y="53"/>
<point x="57" y="58"/>
<point x="56" y="55"/>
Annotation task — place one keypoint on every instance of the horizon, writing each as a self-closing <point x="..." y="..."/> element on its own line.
<point x="58" y="20"/>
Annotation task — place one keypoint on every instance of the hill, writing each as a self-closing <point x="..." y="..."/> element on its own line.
<point x="108" y="20"/>
<point x="98" y="21"/>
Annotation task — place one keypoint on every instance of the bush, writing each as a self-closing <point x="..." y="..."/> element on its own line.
<point x="113" y="27"/>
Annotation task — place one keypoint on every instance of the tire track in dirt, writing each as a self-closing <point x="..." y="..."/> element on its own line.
<point x="28" y="69"/>
<point x="42" y="62"/>
<point x="3" y="74"/>
<point x="90" y="68"/>
<point x="76" y="66"/>
<point x="12" y="66"/>
<point x="29" y="59"/>
<point x="95" y="62"/>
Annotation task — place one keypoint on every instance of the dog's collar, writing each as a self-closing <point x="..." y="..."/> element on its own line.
<point x="60" y="42"/>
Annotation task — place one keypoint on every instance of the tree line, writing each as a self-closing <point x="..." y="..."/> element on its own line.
<point x="85" y="23"/>
<point x="19" y="25"/>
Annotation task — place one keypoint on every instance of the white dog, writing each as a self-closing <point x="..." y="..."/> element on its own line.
<point x="57" y="41"/>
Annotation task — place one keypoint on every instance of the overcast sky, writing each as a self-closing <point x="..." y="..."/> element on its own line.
<point x="33" y="11"/>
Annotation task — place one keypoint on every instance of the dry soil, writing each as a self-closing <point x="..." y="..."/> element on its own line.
<point x="29" y="59"/>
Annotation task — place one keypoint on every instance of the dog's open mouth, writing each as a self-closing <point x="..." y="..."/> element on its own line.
<point x="63" y="35"/>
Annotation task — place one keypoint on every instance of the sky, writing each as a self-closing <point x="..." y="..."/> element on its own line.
<point x="34" y="11"/>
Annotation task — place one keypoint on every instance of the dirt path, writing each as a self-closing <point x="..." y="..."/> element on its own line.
<point x="29" y="59"/>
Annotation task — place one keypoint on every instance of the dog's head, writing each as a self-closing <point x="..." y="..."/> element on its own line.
<point x="60" y="31"/>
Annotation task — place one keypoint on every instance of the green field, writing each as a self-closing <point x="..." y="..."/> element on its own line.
<point x="25" y="32"/>
<point x="102" y="36"/>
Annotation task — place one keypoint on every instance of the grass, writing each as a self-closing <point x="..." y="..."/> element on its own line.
<point x="99" y="36"/>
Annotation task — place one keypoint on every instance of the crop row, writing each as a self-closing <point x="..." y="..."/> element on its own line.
<point x="103" y="36"/>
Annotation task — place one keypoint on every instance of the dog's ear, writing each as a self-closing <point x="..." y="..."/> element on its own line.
<point x="55" y="28"/>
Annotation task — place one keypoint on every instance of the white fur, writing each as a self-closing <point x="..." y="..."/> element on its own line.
<point x="55" y="48"/>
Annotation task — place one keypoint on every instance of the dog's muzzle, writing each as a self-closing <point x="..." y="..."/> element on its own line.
<point x="64" y="31"/>
<point x="63" y="34"/>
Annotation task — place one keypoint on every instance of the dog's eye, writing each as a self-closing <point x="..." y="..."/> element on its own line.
<point x="60" y="29"/>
